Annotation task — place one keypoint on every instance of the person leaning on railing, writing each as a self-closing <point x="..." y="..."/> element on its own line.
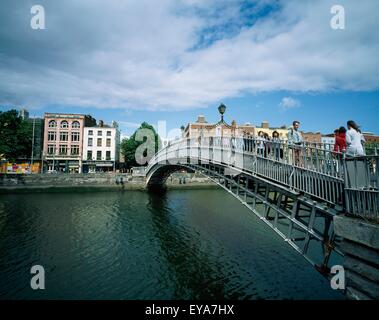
<point x="340" y="140"/>
<point x="340" y="143"/>
<point x="276" y="148"/>
<point x="261" y="142"/>
<point x="295" y="141"/>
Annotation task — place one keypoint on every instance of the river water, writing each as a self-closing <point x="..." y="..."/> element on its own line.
<point x="186" y="244"/>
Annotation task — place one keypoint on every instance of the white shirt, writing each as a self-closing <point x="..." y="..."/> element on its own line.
<point x="354" y="143"/>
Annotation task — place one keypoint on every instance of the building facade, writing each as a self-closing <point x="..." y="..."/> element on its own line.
<point x="371" y="137"/>
<point x="328" y="141"/>
<point x="265" y="128"/>
<point x="202" y="129"/>
<point x="63" y="141"/>
<point x="101" y="148"/>
<point x="312" y="137"/>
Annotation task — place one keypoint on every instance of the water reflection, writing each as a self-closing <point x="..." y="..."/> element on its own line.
<point x="196" y="244"/>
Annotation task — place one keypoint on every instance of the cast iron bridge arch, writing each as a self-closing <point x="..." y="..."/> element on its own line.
<point x="295" y="190"/>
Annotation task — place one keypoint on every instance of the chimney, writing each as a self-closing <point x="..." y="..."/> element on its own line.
<point x="265" y="125"/>
<point x="201" y="119"/>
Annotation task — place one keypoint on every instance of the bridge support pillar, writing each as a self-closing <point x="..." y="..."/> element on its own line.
<point x="360" y="245"/>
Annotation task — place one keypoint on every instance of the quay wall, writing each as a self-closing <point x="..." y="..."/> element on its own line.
<point x="18" y="183"/>
<point x="360" y="245"/>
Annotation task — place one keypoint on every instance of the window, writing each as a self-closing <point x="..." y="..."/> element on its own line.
<point x="99" y="133"/>
<point x="75" y="125"/>
<point x="108" y="142"/>
<point x="52" y="124"/>
<point x="90" y="132"/>
<point x="51" y="136"/>
<point x="75" y="150"/>
<point x="108" y="155"/>
<point x="50" y="149"/>
<point x="109" y="133"/>
<point x="63" y="136"/>
<point x="64" y="124"/>
<point x="99" y="142"/>
<point x="89" y="155"/>
<point x="98" y="156"/>
<point x="75" y="136"/>
<point x="90" y="142"/>
<point x="63" y="150"/>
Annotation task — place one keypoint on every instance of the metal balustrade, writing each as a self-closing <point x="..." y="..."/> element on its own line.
<point x="311" y="168"/>
<point x="314" y="171"/>
<point x="362" y="186"/>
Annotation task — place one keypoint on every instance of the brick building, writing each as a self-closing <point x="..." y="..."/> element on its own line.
<point x="63" y="141"/>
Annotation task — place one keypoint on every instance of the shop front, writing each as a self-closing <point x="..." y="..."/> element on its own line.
<point x="63" y="166"/>
<point x="97" y="166"/>
<point x="20" y="167"/>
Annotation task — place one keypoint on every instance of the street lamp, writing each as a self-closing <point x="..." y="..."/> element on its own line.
<point x="221" y="110"/>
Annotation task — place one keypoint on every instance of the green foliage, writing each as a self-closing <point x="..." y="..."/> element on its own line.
<point x="15" y="136"/>
<point x="371" y="147"/>
<point x="129" y="146"/>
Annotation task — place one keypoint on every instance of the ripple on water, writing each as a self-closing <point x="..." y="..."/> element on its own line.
<point x="134" y="245"/>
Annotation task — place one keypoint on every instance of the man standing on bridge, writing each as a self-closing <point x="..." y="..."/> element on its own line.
<point x="295" y="140"/>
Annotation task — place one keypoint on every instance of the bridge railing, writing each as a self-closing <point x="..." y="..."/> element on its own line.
<point x="312" y="168"/>
<point x="362" y="186"/>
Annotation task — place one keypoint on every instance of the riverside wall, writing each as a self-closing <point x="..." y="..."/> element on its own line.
<point x="18" y="183"/>
<point x="360" y="245"/>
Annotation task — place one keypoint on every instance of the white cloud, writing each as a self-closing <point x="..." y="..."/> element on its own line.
<point x="140" y="55"/>
<point x="289" y="103"/>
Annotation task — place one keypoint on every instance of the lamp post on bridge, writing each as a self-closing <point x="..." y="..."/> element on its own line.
<point x="221" y="110"/>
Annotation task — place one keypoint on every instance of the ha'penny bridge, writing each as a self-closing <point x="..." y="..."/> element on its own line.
<point x="296" y="190"/>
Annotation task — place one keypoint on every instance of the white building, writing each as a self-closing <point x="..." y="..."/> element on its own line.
<point x="101" y="147"/>
<point x="328" y="141"/>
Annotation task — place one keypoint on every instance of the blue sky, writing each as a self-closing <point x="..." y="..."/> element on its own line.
<point x="134" y="61"/>
<point x="317" y="112"/>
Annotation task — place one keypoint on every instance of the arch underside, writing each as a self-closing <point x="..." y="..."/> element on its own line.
<point x="305" y="224"/>
<point x="156" y="180"/>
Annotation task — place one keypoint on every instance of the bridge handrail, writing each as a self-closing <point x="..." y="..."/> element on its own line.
<point x="311" y="153"/>
<point x="347" y="178"/>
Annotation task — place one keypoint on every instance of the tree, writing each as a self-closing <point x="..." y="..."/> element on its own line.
<point x="15" y="136"/>
<point x="129" y="146"/>
<point x="371" y="147"/>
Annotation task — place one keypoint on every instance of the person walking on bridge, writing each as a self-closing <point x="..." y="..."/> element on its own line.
<point x="295" y="141"/>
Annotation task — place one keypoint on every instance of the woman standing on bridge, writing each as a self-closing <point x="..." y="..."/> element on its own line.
<point x="261" y="143"/>
<point x="276" y="147"/>
<point x="354" y="140"/>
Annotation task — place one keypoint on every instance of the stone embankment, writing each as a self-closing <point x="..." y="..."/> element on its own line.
<point x="361" y="262"/>
<point x="16" y="183"/>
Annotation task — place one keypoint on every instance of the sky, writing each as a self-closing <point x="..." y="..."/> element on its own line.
<point x="172" y="60"/>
